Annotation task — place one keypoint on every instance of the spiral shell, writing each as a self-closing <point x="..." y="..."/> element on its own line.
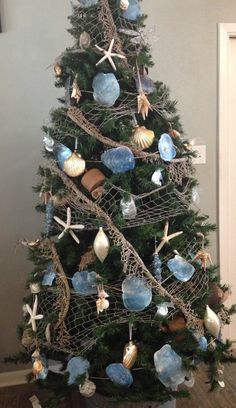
<point x="74" y="166"/>
<point x="143" y="137"/>
<point x="124" y="4"/>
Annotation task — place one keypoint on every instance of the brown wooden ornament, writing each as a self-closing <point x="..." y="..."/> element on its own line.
<point x="93" y="179"/>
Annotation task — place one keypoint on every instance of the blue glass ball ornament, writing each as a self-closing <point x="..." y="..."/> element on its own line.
<point x="169" y="366"/>
<point x="49" y="275"/>
<point x="136" y="294"/>
<point x="181" y="269"/>
<point x="166" y="147"/>
<point x="62" y="153"/>
<point x="49" y="217"/>
<point x="106" y="89"/>
<point x="133" y="11"/>
<point x="85" y="283"/>
<point x="119" y="375"/>
<point x="76" y="367"/>
<point x="156" y="264"/>
<point x="119" y="159"/>
<point x="202" y="343"/>
<point x="87" y="3"/>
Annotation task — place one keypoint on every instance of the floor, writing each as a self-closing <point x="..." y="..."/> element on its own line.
<point x="18" y="397"/>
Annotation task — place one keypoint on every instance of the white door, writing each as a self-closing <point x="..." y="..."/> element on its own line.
<point x="227" y="164"/>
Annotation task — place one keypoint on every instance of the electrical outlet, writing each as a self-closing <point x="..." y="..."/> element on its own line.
<point x="201" y="154"/>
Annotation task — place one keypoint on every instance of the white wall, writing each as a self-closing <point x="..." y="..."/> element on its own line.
<point x="186" y="59"/>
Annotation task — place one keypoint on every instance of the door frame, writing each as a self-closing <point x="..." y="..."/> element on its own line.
<point x="226" y="31"/>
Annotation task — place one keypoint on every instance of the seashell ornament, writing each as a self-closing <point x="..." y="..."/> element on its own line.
<point x="124" y="4"/>
<point x="101" y="245"/>
<point x="84" y="40"/>
<point x="88" y="389"/>
<point x="212" y="322"/>
<point x="35" y="287"/>
<point x="102" y="304"/>
<point x="130" y="355"/>
<point x="142" y="137"/>
<point x="74" y="166"/>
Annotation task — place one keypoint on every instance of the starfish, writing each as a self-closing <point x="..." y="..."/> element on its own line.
<point x="33" y="314"/>
<point x="109" y="54"/>
<point x="68" y="227"/>
<point x="166" y="238"/>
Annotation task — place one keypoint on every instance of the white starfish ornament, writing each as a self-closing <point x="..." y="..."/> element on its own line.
<point x="68" y="227"/>
<point x="166" y="238"/>
<point x="33" y="314"/>
<point x="109" y="54"/>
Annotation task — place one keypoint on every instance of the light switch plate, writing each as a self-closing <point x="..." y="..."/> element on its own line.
<point x="201" y="154"/>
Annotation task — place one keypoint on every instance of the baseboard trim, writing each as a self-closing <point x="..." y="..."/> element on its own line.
<point x="11" y="378"/>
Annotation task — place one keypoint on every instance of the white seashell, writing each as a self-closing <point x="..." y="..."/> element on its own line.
<point x="102" y="304"/>
<point x="48" y="333"/>
<point x="88" y="389"/>
<point x="124" y="4"/>
<point x="101" y="245"/>
<point x="74" y="166"/>
<point x="212" y="322"/>
<point x="143" y="137"/>
<point x="84" y="40"/>
<point x="35" y="288"/>
<point x="157" y="178"/>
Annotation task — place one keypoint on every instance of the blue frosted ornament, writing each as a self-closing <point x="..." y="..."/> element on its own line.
<point x="136" y="294"/>
<point x="166" y="147"/>
<point x="119" y="159"/>
<point x="106" y="89"/>
<point x="49" y="275"/>
<point x="169" y="367"/>
<point x="145" y="84"/>
<point x="119" y="375"/>
<point x="133" y="11"/>
<point x="76" y="367"/>
<point x="85" y="283"/>
<point x="202" y="343"/>
<point x="181" y="269"/>
<point x="62" y="153"/>
<point x="156" y="264"/>
<point x="87" y="3"/>
<point x="49" y="216"/>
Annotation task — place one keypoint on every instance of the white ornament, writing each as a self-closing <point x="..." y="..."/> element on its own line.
<point x="48" y="142"/>
<point x="35" y="288"/>
<point x="102" y="304"/>
<point x="68" y="227"/>
<point x="157" y="178"/>
<point x="48" y="333"/>
<point x="88" y="389"/>
<point x="124" y="4"/>
<point x="109" y="54"/>
<point x="101" y="245"/>
<point x="212" y="322"/>
<point x="33" y="314"/>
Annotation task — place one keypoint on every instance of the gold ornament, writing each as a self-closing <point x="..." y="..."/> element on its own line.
<point x="84" y="40"/>
<point x="143" y="137"/>
<point x="76" y="93"/>
<point x="212" y="322"/>
<point x="88" y="389"/>
<point x="101" y="245"/>
<point x="74" y="166"/>
<point x="57" y="69"/>
<point x="130" y="355"/>
<point x="143" y="105"/>
<point x="124" y="4"/>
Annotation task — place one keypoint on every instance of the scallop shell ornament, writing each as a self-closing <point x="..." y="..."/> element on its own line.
<point x="74" y="166"/>
<point x="212" y="322"/>
<point x="143" y="137"/>
<point x="130" y="355"/>
<point x="101" y="245"/>
<point x="124" y="4"/>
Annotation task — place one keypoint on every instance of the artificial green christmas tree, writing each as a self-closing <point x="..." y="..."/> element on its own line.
<point x="126" y="297"/>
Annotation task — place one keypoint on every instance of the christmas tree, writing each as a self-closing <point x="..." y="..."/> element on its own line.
<point x="124" y="296"/>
